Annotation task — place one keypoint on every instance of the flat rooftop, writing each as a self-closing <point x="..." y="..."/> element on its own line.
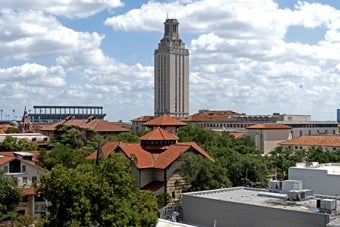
<point x="331" y="168"/>
<point x="259" y="197"/>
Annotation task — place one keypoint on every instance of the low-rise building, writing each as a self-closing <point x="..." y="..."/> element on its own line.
<point x="268" y="136"/>
<point x="241" y="206"/>
<point x="102" y="127"/>
<point x="323" y="179"/>
<point x="21" y="165"/>
<point x="326" y="142"/>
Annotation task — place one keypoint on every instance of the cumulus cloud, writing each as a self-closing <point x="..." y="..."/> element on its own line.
<point x="70" y="8"/>
<point x="240" y="58"/>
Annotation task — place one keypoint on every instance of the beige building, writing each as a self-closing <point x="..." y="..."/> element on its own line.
<point x="268" y="136"/>
<point x="171" y="73"/>
<point x="326" y="142"/>
<point x="20" y="165"/>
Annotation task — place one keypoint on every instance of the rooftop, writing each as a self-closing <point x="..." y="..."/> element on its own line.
<point x="331" y="168"/>
<point x="315" y="140"/>
<point x="258" y="197"/>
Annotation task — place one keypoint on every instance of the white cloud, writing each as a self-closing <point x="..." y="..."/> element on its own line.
<point x="68" y="8"/>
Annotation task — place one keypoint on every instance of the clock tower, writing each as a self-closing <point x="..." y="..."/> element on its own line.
<point x="171" y="73"/>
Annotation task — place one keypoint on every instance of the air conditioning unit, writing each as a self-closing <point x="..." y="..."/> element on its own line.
<point x="296" y="195"/>
<point x="328" y="204"/>
<point x="274" y="185"/>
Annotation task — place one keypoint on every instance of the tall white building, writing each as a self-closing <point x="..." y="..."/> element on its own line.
<point x="171" y="72"/>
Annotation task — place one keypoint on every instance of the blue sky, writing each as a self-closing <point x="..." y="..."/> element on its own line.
<point x="249" y="56"/>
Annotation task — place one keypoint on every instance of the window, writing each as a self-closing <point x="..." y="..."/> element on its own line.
<point x="23" y="168"/>
<point x="34" y="179"/>
<point x="24" y="180"/>
<point x="14" y="166"/>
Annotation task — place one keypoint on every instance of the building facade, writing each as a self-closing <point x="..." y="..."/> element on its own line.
<point x="257" y="208"/>
<point x="171" y="73"/>
<point x="323" y="179"/>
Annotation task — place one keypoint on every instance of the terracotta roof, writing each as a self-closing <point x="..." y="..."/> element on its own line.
<point x="158" y="134"/>
<point x="269" y="126"/>
<point x="161" y="160"/>
<point x="5" y="159"/>
<point x="13" y="154"/>
<point x="143" y="118"/>
<point x="153" y="186"/>
<point x="28" y="191"/>
<point x="316" y="140"/>
<point x="211" y="115"/>
<point x="3" y="128"/>
<point x="164" y="120"/>
<point x="107" y="149"/>
<point x="97" y="125"/>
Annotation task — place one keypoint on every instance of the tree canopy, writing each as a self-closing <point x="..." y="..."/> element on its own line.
<point x="237" y="161"/>
<point x="91" y="195"/>
<point x="10" y="196"/>
<point x="13" y="144"/>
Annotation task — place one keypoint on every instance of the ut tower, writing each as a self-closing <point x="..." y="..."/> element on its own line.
<point x="171" y="72"/>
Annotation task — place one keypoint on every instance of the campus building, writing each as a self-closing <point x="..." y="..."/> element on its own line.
<point x="242" y="206"/>
<point x="171" y="73"/>
<point x="323" y="179"/>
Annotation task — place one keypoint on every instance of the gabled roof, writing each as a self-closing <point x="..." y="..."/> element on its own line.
<point x="107" y="149"/>
<point x="146" y="159"/>
<point x="269" y="126"/>
<point x="161" y="160"/>
<point x="97" y="125"/>
<point x="316" y="140"/>
<point x="164" y="120"/>
<point x="158" y="134"/>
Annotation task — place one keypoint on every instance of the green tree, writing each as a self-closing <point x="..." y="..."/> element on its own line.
<point x="281" y="159"/>
<point x="10" y="196"/>
<point x="13" y="144"/>
<point x="91" y="195"/>
<point x="237" y="161"/>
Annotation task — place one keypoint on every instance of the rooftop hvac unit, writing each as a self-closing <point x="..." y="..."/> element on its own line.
<point x="296" y="195"/>
<point x="288" y="185"/>
<point x="328" y="204"/>
<point x="275" y="185"/>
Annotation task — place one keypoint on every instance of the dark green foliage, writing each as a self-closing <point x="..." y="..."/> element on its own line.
<point x="237" y="161"/>
<point x="126" y="137"/>
<point x="10" y="196"/>
<point x="91" y="195"/>
<point x="13" y="144"/>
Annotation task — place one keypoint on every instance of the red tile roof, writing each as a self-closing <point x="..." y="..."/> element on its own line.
<point x="269" y="126"/>
<point x="5" y="159"/>
<point x="316" y="140"/>
<point x="158" y="134"/>
<point x="107" y="149"/>
<point x="143" y="118"/>
<point x="146" y="159"/>
<point x="161" y="160"/>
<point x="164" y="120"/>
<point x="97" y="125"/>
<point x="13" y="154"/>
<point x="211" y="115"/>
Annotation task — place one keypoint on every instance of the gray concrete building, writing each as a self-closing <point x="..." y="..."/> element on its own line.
<point x="171" y="73"/>
<point x="241" y="206"/>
